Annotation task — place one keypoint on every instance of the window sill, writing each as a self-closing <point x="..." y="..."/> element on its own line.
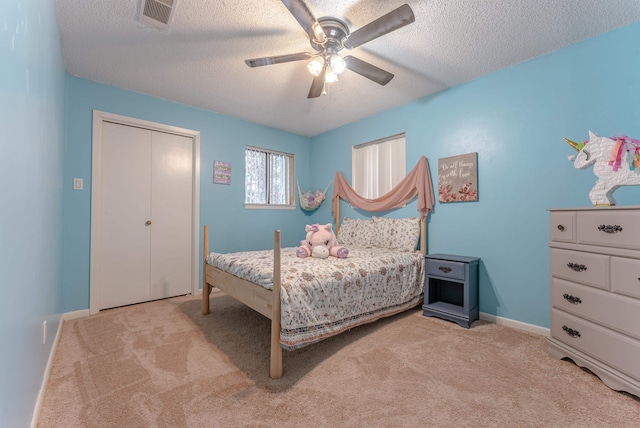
<point x="269" y="207"/>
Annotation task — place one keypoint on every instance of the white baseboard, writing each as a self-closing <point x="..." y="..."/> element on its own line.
<point x="47" y="371"/>
<point x="518" y="325"/>
<point x="75" y="314"/>
<point x="45" y="379"/>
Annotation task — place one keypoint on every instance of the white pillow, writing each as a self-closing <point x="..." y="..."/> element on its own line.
<point x="396" y="233"/>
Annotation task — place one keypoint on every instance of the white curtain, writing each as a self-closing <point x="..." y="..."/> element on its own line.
<point x="378" y="166"/>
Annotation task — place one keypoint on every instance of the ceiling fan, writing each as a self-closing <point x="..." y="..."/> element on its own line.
<point x="328" y="36"/>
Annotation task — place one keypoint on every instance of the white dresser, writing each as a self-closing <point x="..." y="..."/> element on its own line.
<point x="595" y="292"/>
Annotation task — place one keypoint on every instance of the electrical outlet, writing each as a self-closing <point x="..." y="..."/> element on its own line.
<point x="44" y="332"/>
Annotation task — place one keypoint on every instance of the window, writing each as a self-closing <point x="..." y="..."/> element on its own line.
<point x="268" y="179"/>
<point x="378" y="166"/>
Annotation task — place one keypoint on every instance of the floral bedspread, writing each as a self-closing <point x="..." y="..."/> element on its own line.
<point x="323" y="297"/>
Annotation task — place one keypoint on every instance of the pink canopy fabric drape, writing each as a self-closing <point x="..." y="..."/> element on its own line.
<point x="417" y="182"/>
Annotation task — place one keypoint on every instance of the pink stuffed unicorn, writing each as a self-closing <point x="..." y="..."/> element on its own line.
<point x="321" y="243"/>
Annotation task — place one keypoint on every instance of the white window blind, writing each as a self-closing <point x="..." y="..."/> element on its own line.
<point x="378" y="166"/>
<point x="268" y="177"/>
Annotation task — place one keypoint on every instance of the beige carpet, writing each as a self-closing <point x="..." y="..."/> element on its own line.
<point x="162" y="364"/>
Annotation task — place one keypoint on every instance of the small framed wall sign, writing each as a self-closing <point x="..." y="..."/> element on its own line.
<point x="458" y="178"/>
<point x="221" y="172"/>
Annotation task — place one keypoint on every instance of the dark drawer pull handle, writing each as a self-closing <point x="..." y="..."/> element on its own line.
<point x="444" y="269"/>
<point x="576" y="267"/>
<point x="572" y="299"/>
<point x="571" y="332"/>
<point x="608" y="228"/>
<point x="561" y="228"/>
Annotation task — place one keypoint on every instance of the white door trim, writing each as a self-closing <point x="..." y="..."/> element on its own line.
<point x="96" y="171"/>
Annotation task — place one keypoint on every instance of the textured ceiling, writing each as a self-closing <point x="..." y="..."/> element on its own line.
<point x="200" y="60"/>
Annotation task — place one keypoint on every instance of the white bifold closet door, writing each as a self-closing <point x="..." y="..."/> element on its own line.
<point x="146" y="215"/>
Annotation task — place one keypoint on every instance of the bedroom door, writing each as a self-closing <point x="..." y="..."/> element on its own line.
<point x="145" y="215"/>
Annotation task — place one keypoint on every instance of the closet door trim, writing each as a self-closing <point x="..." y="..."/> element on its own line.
<point x="99" y="117"/>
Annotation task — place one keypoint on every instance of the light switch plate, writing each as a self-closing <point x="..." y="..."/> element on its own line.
<point x="78" y="184"/>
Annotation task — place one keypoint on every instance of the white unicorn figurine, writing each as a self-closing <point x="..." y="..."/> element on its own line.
<point x="611" y="164"/>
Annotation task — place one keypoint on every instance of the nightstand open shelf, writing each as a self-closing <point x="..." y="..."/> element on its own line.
<point x="451" y="288"/>
<point x="445" y="308"/>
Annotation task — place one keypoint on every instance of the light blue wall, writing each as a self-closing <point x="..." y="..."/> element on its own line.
<point x="31" y="166"/>
<point x="231" y="226"/>
<point x="515" y="120"/>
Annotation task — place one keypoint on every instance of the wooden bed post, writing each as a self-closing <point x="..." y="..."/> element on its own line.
<point x="206" y="288"/>
<point x="337" y="215"/>
<point x="275" y="370"/>
<point x="423" y="236"/>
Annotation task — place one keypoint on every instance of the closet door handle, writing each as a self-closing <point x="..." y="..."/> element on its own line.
<point x="148" y="223"/>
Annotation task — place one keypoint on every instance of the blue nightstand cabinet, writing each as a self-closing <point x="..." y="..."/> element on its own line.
<point x="451" y="288"/>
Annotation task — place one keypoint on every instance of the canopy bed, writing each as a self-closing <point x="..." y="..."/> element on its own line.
<point x="310" y="299"/>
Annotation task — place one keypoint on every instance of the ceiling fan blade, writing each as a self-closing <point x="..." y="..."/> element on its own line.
<point x="367" y="70"/>
<point x="385" y="24"/>
<point x="305" y="18"/>
<point x="318" y="84"/>
<point x="268" y="60"/>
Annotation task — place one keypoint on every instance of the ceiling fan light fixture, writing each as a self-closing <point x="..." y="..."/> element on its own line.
<point x="338" y="65"/>
<point x="315" y="66"/>
<point x="330" y="76"/>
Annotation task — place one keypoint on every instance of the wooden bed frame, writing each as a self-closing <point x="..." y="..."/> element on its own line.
<point x="258" y="298"/>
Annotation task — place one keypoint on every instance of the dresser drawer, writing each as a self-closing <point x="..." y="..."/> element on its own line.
<point x="619" y="351"/>
<point x="610" y="228"/>
<point x="563" y="226"/>
<point x="611" y="310"/>
<point x="586" y="268"/>
<point x="445" y="269"/>
<point x="625" y="276"/>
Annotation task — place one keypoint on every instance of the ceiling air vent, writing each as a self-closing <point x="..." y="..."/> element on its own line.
<point x="157" y="13"/>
